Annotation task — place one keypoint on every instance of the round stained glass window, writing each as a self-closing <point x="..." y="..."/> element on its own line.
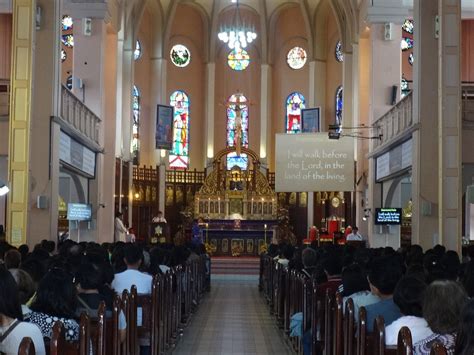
<point x="66" y="22"/>
<point x="338" y="52"/>
<point x="137" y="53"/>
<point x="296" y="58"/>
<point x="411" y="58"/>
<point x="180" y="55"/>
<point x="63" y="55"/>
<point x="238" y="59"/>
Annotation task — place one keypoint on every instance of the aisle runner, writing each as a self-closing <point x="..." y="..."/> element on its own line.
<point x="235" y="266"/>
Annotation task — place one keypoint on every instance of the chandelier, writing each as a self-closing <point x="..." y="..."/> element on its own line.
<point x="237" y="35"/>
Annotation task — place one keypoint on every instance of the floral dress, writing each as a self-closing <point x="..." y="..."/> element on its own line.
<point x="46" y="322"/>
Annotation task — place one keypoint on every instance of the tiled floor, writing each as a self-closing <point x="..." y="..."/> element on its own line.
<point x="232" y="319"/>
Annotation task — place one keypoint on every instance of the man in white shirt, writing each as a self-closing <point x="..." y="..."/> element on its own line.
<point x="159" y="218"/>
<point x="354" y="236"/>
<point x="131" y="276"/>
<point x="120" y="231"/>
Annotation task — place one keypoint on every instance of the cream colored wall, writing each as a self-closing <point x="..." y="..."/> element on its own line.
<point x="187" y="29"/>
<point x="289" y="32"/>
<point x="142" y="79"/>
<point x="3" y="138"/>
<point x="5" y="45"/>
<point x="333" y="71"/>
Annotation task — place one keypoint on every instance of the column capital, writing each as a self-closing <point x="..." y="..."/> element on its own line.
<point x="89" y="8"/>
<point x="382" y="11"/>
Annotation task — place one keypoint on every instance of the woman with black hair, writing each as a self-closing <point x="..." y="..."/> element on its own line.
<point x="12" y="329"/>
<point x="408" y="296"/>
<point x="56" y="299"/>
<point x="465" y="337"/>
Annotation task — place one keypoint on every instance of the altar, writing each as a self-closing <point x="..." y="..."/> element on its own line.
<point x="236" y="205"/>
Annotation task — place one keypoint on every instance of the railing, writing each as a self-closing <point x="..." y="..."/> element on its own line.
<point x="396" y="121"/>
<point x="468" y="106"/>
<point x="4" y="98"/>
<point x="76" y="113"/>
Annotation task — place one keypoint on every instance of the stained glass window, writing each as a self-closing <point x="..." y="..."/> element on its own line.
<point x="179" y="155"/>
<point x="237" y="129"/>
<point x="408" y="26"/>
<point x="63" y="55"/>
<point x="407" y="43"/>
<point x="69" y="82"/>
<point x="180" y="55"/>
<point x="68" y="40"/>
<point x="295" y="102"/>
<point x="338" y="52"/>
<point x="411" y="59"/>
<point x="238" y="59"/>
<point x="405" y="89"/>
<point x="296" y="58"/>
<point x="67" y="23"/>
<point x="136" y="125"/>
<point x="137" y="53"/>
<point x="339" y="105"/>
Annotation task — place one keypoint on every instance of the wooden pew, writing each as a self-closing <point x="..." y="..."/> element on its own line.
<point x="318" y="320"/>
<point x="26" y="347"/>
<point x="379" y="347"/>
<point x="125" y="346"/>
<point x="438" y="349"/>
<point x="98" y="331"/>
<point x="350" y="343"/>
<point x="337" y="330"/>
<point x="59" y="346"/>
<point x="405" y="342"/>
<point x="363" y="341"/>
<point x="328" y="324"/>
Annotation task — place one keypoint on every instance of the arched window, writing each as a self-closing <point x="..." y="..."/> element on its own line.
<point x="295" y="102"/>
<point x="137" y="53"/>
<point x="179" y="155"/>
<point x="237" y="129"/>
<point x="136" y="125"/>
<point x="339" y="96"/>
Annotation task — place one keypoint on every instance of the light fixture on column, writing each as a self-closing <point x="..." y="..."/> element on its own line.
<point x="237" y="34"/>
<point x="366" y="214"/>
<point x="3" y="188"/>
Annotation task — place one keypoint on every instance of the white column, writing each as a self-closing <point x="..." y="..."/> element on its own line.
<point x="209" y="112"/>
<point x="425" y="226"/>
<point x="162" y="187"/>
<point x="118" y="109"/>
<point x="158" y="96"/>
<point x="317" y="87"/>
<point x="265" y="108"/>
<point x="127" y="84"/>
<point x="450" y="124"/>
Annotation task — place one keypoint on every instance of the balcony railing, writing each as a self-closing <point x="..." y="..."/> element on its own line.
<point x="74" y="112"/>
<point x="395" y="122"/>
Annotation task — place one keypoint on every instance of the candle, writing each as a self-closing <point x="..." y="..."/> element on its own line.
<point x="265" y="233"/>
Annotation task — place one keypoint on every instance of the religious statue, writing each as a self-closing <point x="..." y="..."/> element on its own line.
<point x="238" y="128"/>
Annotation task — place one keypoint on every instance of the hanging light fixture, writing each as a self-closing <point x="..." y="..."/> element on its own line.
<point x="237" y="35"/>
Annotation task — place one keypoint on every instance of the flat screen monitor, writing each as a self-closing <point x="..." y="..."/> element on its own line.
<point x="79" y="212"/>
<point x="391" y="216"/>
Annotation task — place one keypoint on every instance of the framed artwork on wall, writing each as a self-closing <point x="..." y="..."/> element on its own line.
<point x="164" y="127"/>
<point x="311" y="118"/>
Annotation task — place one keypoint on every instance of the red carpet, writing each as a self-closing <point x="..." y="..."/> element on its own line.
<point x="235" y="266"/>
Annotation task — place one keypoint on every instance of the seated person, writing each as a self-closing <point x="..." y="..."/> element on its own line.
<point x="12" y="329"/>
<point x="442" y="305"/>
<point x="56" y="300"/>
<point x="26" y="288"/>
<point x="286" y="253"/>
<point x="357" y="288"/>
<point x="133" y="258"/>
<point x="464" y="338"/>
<point x="332" y="267"/>
<point x="90" y="279"/>
<point x="385" y="272"/>
<point x="408" y="296"/>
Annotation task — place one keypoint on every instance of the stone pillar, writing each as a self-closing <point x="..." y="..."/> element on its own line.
<point x="209" y="112"/>
<point x="425" y="112"/>
<point x="158" y="96"/>
<point x="385" y="72"/>
<point x="265" y="108"/>
<point x="317" y="88"/>
<point x="450" y="124"/>
<point x="44" y="168"/>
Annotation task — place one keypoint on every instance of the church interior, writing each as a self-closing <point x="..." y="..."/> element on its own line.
<point x="258" y="136"/>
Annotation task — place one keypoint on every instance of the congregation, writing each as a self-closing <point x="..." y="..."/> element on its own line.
<point x="429" y="292"/>
<point x="47" y="284"/>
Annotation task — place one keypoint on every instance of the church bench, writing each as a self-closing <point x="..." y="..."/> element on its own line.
<point x="98" y="331"/>
<point x="438" y="349"/>
<point x="58" y="345"/>
<point x="26" y="347"/>
<point x="318" y="319"/>
<point x="405" y="342"/>
<point x="349" y="328"/>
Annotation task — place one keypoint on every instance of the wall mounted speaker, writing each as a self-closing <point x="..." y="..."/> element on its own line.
<point x="394" y="94"/>
<point x="42" y="202"/>
<point x="87" y="26"/>
<point x="470" y="194"/>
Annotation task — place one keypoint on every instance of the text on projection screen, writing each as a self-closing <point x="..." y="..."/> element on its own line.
<point x="313" y="162"/>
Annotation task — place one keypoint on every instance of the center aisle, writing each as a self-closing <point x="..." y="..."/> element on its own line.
<point x="232" y="319"/>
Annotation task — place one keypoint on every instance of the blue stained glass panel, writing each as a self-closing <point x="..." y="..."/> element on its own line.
<point x="339" y="105"/>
